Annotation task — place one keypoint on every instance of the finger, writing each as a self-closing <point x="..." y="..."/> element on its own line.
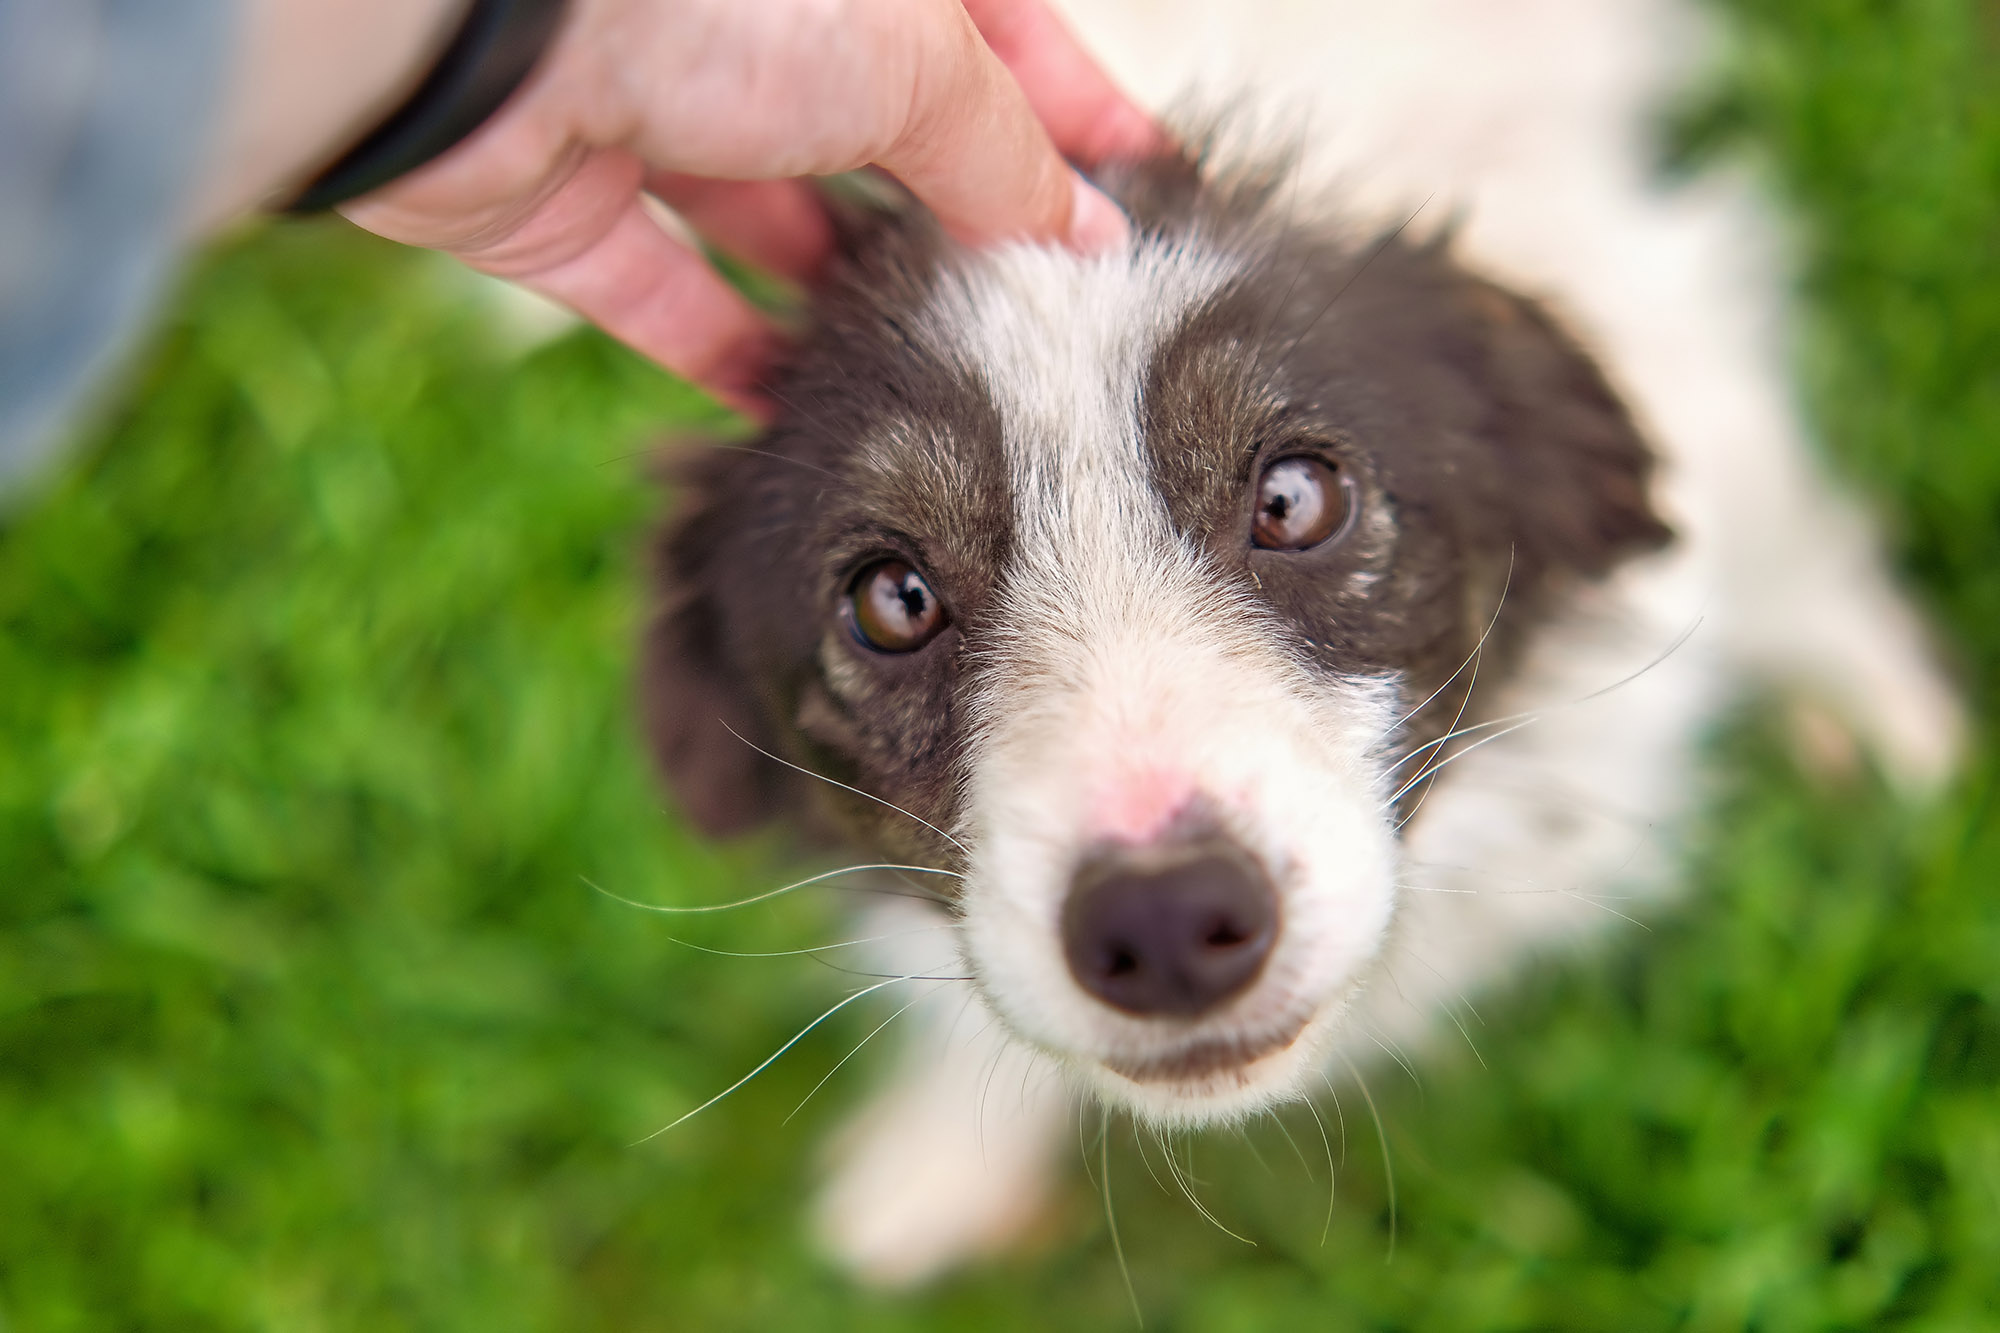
<point x="777" y="225"/>
<point x="1086" y="115"/>
<point x="664" y="301"/>
<point x="591" y="245"/>
<point x="973" y="151"/>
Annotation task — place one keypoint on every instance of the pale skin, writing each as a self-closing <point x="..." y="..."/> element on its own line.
<point x="719" y="108"/>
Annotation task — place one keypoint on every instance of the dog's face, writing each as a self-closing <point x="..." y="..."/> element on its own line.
<point x="1142" y="584"/>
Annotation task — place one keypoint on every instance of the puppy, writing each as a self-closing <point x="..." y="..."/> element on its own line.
<point x="1275" y="630"/>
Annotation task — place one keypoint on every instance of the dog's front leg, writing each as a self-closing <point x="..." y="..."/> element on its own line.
<point x="955" y="1157"/>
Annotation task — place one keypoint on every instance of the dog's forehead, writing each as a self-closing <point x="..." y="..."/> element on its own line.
<point x="1062" y="347"/>
<point x="1062" y="342"/>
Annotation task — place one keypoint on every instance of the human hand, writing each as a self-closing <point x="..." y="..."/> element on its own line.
<point x="718" y="107"/>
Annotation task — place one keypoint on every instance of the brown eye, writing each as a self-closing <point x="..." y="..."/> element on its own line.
<point x="1301" y="502"/>
<point x="892" y="609"/>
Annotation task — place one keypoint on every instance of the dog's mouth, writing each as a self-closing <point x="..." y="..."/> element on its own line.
<point x="1207" y="1058"/>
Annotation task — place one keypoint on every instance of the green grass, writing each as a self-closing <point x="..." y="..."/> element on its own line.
<point x="314" y="717"/>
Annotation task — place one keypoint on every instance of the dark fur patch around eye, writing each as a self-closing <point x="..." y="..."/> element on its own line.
<point x="1492" y="464"/>
<point x="884" y="445"/>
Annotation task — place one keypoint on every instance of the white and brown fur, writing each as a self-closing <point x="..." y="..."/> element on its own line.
<point x="1583" y="502"/>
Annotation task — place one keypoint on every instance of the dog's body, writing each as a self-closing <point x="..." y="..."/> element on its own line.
<point x="1149" y="588"/>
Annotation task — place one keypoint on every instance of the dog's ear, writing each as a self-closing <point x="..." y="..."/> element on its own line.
<point x="1575" y="466"/>
<point x="697" y="695"/>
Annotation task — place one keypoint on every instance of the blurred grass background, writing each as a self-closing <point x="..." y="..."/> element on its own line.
<point x="314" y="717"/>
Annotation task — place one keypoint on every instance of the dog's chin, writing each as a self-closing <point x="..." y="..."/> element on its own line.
<point x="1215" y="1080"/>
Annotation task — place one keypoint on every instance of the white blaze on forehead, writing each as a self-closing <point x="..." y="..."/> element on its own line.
<point x="1061" y="343"/>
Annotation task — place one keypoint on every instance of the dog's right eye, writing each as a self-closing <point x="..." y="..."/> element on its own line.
<point x="1302" y="502"/>
<point x="891" y="609"/>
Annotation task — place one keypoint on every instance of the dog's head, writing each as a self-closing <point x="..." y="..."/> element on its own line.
<point x="1140" y="582"/>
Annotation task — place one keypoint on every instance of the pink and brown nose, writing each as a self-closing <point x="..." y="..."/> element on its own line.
<point x="1169" y="930"/>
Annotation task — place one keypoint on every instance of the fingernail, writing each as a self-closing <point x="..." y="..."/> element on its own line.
<point x="1095" y="223"/>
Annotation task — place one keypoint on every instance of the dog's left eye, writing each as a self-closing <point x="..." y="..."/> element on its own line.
<point x="891" y="608"/>
<point x="1301" y="503"/>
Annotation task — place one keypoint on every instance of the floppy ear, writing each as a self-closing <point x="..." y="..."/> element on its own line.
<point x="695" y="688"/>
<point x="1576" y="466"/>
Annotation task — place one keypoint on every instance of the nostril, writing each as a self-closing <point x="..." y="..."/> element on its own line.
<point x="1225" y="934"/>
<point x="1169" y="931"/>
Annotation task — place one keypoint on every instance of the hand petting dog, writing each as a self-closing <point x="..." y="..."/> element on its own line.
<point x="719" y="109"/>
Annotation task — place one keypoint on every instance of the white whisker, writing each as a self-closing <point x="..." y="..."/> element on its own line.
<point x="1353" y="278"/>
<point x="811" y="949"/>
<point x="834" y="782"/>
<point x="763" y="897"/>
<point x="1395" y="1053"/>
<point x="855" y="1051"/>
<point x="1111" y="1216"/>
<point x="1458" y="717"/>
<point x="1082" y="1144"/>
<point x="1173" y="1170"/>
<point x="1279" y="1121"/>
<point x="1601" y="901"/>
<point x="1470" y="658"/>
<point x="1388" y="1168"/>
<point x="1442" y="763"/>
<point x="1524" y="718"/>
<point x="1139" y="1142"/>
<point x="1603" y="907"/>
<point x="1450" y="1011"/>
<point x="1332" y="1179"/>
<point x="1598" y="900"/>
<point x="772" y="1058"/>
<point x="986" y="1091"/>
<point x="1504" y="893"/>
<point x="1243" y="1136"/>
<point x="919" y="892"/>
<point x="1340" y="1116"/>
<point x="832" y="966"/>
